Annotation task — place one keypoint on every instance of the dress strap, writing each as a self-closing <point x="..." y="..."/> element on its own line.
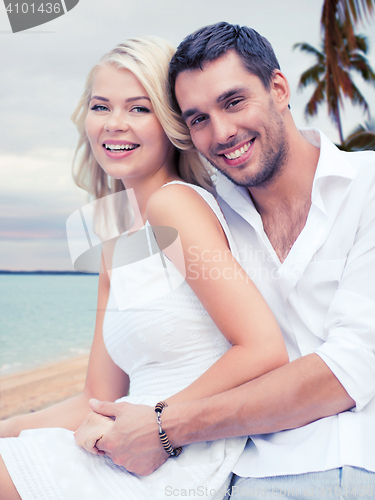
<point x="214" y="205"/>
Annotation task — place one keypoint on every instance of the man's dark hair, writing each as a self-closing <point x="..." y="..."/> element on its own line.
<point x="211" y="42"/>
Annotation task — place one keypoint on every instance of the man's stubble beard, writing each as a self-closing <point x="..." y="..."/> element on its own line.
<point x="272" y="159"/>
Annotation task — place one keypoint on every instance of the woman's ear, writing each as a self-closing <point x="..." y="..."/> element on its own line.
<point x="280" y="89"/>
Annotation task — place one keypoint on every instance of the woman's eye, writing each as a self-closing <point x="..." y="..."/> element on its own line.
<point x="99" y="107"/>
<point x="140" y="109"/>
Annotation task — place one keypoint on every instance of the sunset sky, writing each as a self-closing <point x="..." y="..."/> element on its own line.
<point x="43" y="71"/>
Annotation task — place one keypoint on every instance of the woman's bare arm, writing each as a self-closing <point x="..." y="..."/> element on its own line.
<point x="230" y="297"/>
<point x="105" y="380"/>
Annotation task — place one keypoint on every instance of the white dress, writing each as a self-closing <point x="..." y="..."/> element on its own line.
<point x="158" y="332"/>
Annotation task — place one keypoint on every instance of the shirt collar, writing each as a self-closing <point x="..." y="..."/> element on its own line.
<point x="332" y="162"/>
<point x="329" y="164"/>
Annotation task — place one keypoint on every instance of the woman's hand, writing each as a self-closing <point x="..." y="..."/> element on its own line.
<point x="133" y="442"/>
<point x="93" y="428"/>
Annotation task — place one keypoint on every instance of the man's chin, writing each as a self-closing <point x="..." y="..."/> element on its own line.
<point x="222" y="170"/>
<point x="231" y="177"/>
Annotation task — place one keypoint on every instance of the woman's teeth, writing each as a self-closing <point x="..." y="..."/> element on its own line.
<point x="120" y="147"/>
<point x="239" y="152"/>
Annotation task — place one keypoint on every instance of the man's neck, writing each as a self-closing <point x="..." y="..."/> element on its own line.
<point x="284" y="203"/>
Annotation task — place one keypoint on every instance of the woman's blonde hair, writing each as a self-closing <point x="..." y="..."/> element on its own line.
<point x="148" y="59"/>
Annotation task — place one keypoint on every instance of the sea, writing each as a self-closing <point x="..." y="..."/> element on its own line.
<point x="45" y="318"/>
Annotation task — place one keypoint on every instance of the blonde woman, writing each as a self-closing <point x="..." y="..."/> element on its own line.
<point x="211" y="333"/>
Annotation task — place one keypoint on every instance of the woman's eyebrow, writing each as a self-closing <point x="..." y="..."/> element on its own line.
<point x="138" y="98"/>
<point x="99" y="98"/>
<point x="130" y="99"/>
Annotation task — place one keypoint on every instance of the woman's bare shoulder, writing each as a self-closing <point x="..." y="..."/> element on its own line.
<point x="180" y="202"/>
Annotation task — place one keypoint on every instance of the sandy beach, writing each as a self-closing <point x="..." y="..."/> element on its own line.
<point x="33" y="390"/>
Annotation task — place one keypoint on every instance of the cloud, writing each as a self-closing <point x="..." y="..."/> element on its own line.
<point x="37" y="194"/>
<point x="43" y="73"/>
<point x="31" y="255"/>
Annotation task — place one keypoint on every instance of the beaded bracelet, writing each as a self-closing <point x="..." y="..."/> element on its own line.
<point x="163" y="436"/>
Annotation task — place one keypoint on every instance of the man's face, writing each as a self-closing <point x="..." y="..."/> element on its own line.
<point x="234" y="121"/>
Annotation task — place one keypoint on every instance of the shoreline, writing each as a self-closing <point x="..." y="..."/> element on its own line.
<point x="32" y="390"/>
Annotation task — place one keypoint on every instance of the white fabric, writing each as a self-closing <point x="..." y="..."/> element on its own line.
<point x="323" y="297"/>
<point x="164" y="344"/>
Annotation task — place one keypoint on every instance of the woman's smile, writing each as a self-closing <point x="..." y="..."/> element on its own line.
<point x="124" y="132"/>
<point x="119" y="149"/>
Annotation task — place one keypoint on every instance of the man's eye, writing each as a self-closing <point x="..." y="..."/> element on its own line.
<point x="234" y="103"/>
<point x="99" y="107"/>
<point x="198" y="120"/>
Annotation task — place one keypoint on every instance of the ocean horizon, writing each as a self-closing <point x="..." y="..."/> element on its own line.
<point x="46" y="317"/>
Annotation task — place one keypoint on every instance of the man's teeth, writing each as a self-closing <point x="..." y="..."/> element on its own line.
<point x="238" y="152"/>
<point x="120" y="147"/>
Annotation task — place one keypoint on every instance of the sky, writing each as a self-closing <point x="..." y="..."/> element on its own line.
<point x="43" y="71"/>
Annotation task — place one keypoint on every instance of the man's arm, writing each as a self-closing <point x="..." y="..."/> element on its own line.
<point x="291" y="396"/>
<point x="294" y="395"/>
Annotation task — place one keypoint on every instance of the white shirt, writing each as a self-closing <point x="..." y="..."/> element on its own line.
<point x="323" y="297"/>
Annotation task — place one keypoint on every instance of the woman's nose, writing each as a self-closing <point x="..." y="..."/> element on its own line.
<point x="117" y="122"/>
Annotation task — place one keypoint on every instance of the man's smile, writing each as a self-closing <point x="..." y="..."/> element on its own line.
<point x="239" y="151"/>
<point x="238" y="154"/>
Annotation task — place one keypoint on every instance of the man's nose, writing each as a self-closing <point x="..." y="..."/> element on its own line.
<point x="223" y="129"/>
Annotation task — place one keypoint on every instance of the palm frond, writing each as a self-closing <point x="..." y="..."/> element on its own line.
<point x="360" y="9"/>
<point x="317" y="98"/>
<point x="342" y="52"/>
<point x="362" y="141"/>
<point x="368" y="127"/>
<point x="306" y="47"/>
<point x="361" y="43"/>
<point x="311" y="75"/>
<point x="358" y="98"/>
<point x="361" y="65"/>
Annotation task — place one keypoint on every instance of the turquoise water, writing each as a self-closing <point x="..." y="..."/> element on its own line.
<point x="45" y="318"/>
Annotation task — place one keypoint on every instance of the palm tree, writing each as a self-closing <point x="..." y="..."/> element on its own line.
<point x="362" y="138"/>
<point x="331" y="86"/>
<point x="338" y="20"/>
<point x="348" y="13"/>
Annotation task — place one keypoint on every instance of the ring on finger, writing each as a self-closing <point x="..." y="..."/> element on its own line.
<point x="96" y="443"/>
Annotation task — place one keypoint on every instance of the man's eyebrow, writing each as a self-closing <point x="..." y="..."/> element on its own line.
<point x="225" y="95"/>
<point x="230" y="93"/>
<point x="190" y="112"/>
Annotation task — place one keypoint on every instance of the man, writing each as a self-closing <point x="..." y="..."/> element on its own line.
<point x="303" y="216"/>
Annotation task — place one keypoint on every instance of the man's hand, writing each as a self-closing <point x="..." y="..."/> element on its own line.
<point x="133" y="440"/>
<point x="91" y="431"/>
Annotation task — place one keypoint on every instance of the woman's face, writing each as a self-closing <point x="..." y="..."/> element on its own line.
<point x="125" y="135"/>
